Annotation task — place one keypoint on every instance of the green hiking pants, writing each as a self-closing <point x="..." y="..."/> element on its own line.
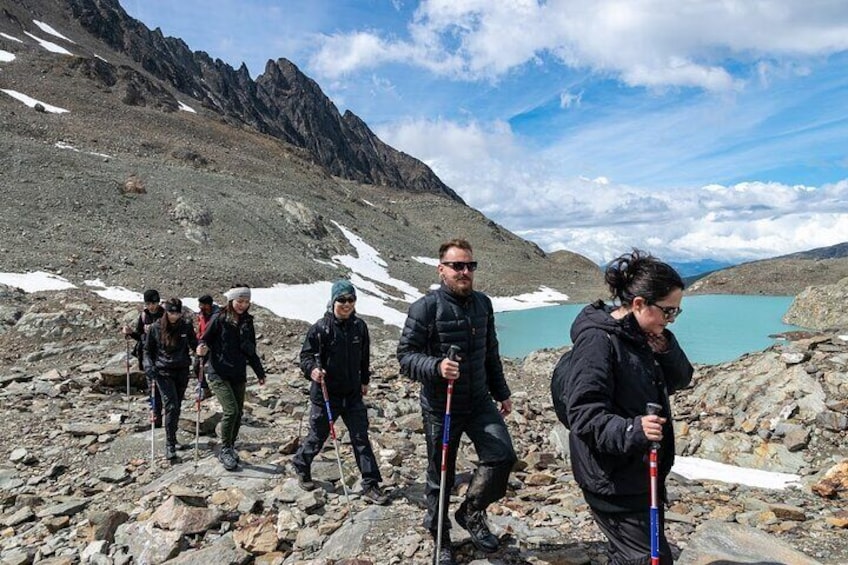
<point x="231" y="397"/>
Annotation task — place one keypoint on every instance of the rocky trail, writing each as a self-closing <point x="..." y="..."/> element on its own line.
<point x="77" y="484"/>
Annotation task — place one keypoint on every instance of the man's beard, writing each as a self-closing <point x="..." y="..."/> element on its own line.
<point x="461" y="291"/>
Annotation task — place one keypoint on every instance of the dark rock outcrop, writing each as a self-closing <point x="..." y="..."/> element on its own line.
<point x="282" y="102"/>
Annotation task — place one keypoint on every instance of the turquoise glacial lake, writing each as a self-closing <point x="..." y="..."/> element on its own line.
<point x="712" y="329"/>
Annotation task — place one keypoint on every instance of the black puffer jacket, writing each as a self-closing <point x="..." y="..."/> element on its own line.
<point x="614" y="374"/>
<point x="232" y="347"/>
<point x="175" y="358"/>
<point x="434" y="323"/>
<point x="345" y="351"/>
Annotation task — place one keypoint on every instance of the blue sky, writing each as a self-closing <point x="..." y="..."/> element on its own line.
<point x="697" y="130"/>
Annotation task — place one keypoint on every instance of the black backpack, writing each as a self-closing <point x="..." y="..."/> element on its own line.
<point x="559" y="386"/>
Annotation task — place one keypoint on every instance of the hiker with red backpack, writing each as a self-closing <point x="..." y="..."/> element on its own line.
<point x="206" y="310"/>
<point x="150" y="314"/>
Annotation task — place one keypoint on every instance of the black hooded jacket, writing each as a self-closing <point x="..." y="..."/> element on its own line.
<point x="175" y="358"/>
<point x="614" y="374"/>
<point x="344" y="347"/>
<point x="232" y="347"/>
<point x="434" y="323"/>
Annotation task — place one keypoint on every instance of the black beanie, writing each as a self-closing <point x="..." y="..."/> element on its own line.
<point x="151" y="296"/>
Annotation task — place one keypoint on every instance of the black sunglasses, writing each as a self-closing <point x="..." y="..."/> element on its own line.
<point x="669" y="312"/>
<point x="460" y="266"/>
<point x="346" y="299"/>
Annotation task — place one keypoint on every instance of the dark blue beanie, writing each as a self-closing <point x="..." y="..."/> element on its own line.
<point x="342" y="287"/>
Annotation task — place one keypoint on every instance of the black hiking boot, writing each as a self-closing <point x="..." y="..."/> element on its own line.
<point x="304" y="479"/>
<point x="170" y="451"/>
<point x="375" y="495"/>
<point x="475" y="522"/>
<point x="227" y="459"/>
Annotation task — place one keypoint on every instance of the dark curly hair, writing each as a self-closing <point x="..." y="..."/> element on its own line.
<point x="640" y="274"/>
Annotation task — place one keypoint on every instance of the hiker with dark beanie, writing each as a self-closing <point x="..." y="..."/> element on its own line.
<point x="456" y="315"/>
<point x="624" y="357"/>
<point x="230" y="341"/>
<point x="167" y="360"/>
<point x="150" y="314"/>
<point x="337" y="351"/>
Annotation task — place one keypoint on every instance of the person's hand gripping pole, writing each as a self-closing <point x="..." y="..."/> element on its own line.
<point x="451" y="373"/>
<point x="653" y="462"/>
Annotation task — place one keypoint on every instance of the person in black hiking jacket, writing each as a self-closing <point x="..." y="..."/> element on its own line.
<point x="624" y="357"/>
<point x="456" y="314"/>
<point x="151" y="314"/>
<point x="337" y="351"/>
<point x="230" y="341"/>
<point x="167" y="360"/>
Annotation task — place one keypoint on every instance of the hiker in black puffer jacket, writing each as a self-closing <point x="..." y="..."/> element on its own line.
<point x="623" y="358"/>
<point x="337" y="351"/>
<point x="455" y="314"/>
<point x="230" y="341"/>
<point x="167" y="361"/>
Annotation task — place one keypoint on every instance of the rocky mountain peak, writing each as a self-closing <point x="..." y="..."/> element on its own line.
<point x="282" y="102"/>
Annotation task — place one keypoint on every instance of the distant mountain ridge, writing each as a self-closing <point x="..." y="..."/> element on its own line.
<point x="779" y="276"/>
<point x="282" y="102"/>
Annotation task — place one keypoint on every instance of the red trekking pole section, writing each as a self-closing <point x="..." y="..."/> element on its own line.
<point x="453" y="355"/>
<point x="653" y="466"/>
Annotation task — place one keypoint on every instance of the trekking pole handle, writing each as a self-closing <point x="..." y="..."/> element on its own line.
<point x="453" y="352"/>
<point x="653" y="409"/>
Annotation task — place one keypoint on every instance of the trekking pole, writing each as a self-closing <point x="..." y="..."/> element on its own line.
<point x="198" y="396"/>
<point x="127" y="340"/>
<point x="654" y="409"/>
<point x="332" y="428"/>
<point x="152" y="420"/>
<point x="453" y="355"/>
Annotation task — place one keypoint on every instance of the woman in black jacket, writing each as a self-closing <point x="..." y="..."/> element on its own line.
<point x="230" y="340"/>
<point x="167" y="360"/>
<point x="623" y="358"/>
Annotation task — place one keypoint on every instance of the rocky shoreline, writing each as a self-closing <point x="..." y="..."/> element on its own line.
<point x="77" y="484"/>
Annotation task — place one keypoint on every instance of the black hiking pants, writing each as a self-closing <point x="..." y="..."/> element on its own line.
<point x="172" y="386"/>
<point x="352" y="411"/>
<point x="486" y="429"/>
<point x="629" y="536"/>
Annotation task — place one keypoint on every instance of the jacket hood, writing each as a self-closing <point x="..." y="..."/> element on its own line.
<point x="599" y="316"/>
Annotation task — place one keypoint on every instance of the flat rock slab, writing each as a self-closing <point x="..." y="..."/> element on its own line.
<point x="349" y="539"/>
<point x="722" y="542"/>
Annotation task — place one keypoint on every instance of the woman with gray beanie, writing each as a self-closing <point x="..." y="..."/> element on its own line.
<point x="230" y="340"/>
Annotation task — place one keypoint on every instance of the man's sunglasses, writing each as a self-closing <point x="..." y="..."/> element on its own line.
<point x="669" y="312"/>
<point x="460" y="266"/>
<point x="346" y="299"/>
